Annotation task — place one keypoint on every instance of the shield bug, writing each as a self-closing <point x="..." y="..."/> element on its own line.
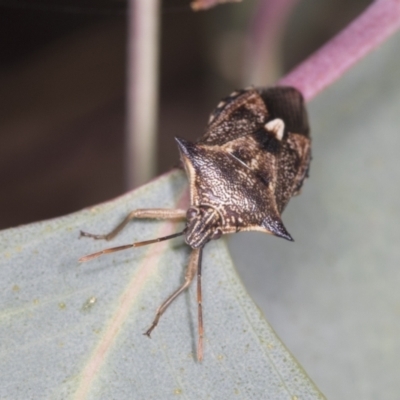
<point x="253" y="157"/>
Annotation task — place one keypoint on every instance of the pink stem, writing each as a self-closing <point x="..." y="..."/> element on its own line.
<point x="264" y="39"/>
<point x="379" y="21"/>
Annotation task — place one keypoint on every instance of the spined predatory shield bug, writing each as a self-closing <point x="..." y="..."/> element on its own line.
<point x="253" y="157"/>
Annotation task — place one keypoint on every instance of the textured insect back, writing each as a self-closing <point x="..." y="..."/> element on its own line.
<point x="252" y="159"/>
<point x="237" y="115"/>
<point x="287" y="103"/>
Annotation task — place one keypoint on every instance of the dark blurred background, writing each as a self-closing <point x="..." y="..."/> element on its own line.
<point x="62" y="89"/>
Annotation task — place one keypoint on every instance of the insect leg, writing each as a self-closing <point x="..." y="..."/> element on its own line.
<point x="190" y="273"/>
<point x="150" y="213"/>
<point x="199" y="310"/>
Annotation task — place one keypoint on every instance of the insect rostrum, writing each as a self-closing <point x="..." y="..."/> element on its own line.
<point x="252" y="159"/>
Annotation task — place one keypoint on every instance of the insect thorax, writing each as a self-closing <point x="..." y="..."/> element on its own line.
<point x="250" y="162"/>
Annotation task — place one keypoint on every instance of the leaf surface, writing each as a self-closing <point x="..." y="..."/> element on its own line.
<point x="74" y="331"/>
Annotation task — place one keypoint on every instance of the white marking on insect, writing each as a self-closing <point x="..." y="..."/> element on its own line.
<point x="276" y="126"/>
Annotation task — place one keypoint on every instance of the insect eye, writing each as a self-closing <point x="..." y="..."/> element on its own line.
<point x="217" y="234"/>
<point x="191" y="213"/>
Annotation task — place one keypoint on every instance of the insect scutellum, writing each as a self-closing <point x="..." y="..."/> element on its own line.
<point x="252" y="159"/>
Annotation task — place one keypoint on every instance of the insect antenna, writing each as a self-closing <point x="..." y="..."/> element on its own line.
<point x="128" y="246"/>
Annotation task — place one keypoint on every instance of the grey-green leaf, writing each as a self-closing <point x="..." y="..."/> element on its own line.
<point x="74" y="331"/>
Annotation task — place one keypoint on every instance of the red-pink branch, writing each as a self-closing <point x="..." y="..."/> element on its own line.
<point x="264" y="39"/>
<point x="371" y="28"/>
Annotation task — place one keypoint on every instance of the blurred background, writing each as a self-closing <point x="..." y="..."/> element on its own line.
<point x="63" y="89"/>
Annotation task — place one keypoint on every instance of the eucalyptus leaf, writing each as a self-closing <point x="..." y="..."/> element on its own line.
<point x="75" y="331"/>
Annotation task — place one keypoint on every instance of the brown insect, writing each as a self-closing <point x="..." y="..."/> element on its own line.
<point x="252" y="159"/>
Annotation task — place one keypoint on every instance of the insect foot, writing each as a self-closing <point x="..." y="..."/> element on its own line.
<point x="253" y="157"/>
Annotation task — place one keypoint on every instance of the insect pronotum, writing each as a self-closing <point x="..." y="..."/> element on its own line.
<point x="253" y="157"/>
